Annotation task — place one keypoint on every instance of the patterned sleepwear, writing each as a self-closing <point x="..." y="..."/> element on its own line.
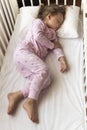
<point x="29" y="58"/>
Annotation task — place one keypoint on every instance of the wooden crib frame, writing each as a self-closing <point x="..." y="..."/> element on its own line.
<point x="9" y="10"/>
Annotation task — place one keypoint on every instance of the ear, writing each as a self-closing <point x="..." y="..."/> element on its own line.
<point x="49" y="16"/>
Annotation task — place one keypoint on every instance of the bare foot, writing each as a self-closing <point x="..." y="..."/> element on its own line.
<point x="30" y="106"/>
<point x="14" y="98"/>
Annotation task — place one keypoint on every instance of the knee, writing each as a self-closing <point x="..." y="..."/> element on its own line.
<point x="46" y="78"/>
<point x="45" y="73"/>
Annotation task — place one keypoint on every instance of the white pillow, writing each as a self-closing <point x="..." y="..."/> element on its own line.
<point x="69" y="28"/>
<point x="32" y="10"/>
<point x="26" y="20"/>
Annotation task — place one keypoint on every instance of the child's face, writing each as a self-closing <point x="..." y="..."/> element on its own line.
<point x="54" y="21"/>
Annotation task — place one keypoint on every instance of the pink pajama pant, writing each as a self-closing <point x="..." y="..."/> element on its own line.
<point x="36" y="72"/>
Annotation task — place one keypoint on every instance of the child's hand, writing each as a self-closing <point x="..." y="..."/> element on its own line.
<point x="63" y="64"/>
<point x="57" y="45"/>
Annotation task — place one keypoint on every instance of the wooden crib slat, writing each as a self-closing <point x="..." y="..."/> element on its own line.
<point x="4" y="36"/>
<point x="65" y="2"/>
<point x="39" y="2"/>
<point x="84" y="7"/>
<point x="12" y="15"/>
<point x="23" y="2"/>
<point x="2" y="46"/>
<point x="31" y="2"/>
<point x="7" y="21"/>
<point x="6" y="15"/>
<point x="74" y="2"/>
<point x="57" y="2"/>
<point x="9" y="18"/>
<point x="1" y="56"/>
<point x="4" y="24"/>
<point x="48" y="2"/>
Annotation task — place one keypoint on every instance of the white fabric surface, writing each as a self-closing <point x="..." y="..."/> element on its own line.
<point x="61" y="106"/>
<point x="69" y="28"/>
<point x="32" y="10"/>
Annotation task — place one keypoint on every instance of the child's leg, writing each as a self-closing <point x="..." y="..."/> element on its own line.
<point x="31" y="65"/>
<point x="40" y="81"/>
<point x="14" y="98"/>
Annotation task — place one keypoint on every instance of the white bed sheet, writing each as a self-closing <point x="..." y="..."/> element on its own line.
<point x="61" y="106"/>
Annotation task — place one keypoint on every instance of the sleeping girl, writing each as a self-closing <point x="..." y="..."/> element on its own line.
<point x="30" y="56"/>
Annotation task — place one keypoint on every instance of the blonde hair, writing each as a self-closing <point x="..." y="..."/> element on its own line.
<point x="53" y="9"/>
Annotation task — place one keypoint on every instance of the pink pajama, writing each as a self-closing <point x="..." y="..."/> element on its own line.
<point x="36" y="73"/>
<point x="29" y="58"/>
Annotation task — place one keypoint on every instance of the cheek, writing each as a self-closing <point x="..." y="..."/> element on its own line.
<point x="56" y="24"/>
<point x="51" y="23"/>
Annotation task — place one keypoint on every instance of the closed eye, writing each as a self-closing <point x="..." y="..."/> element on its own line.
<point x="58" y="23"/>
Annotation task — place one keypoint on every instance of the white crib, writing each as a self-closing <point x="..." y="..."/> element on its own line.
<point x="9" y="11"/>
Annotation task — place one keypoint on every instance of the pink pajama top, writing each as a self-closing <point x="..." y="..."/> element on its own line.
<point x="39" y="40"/>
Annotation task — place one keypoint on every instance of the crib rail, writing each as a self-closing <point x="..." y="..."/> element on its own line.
<point x="38" y="2"/>
<point x="7" y="21"/>
<point x="8" y="13"/>
<point x="85" y="49"/>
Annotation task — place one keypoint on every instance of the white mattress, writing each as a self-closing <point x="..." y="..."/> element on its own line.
<point x="61" y="106"/>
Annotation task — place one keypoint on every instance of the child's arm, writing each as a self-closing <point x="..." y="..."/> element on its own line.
<point x="60" y="56"/>
<point x="38" y="33"/>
